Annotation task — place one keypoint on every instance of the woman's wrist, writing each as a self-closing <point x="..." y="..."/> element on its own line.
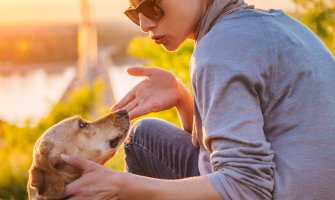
<point x="184" y="95"/>
<point x="145" y="188"/>
<point x="184" y="107"/>
<point x="137" y="187"/>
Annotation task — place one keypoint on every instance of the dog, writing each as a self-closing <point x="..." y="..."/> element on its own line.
<point x="96" y="141"/>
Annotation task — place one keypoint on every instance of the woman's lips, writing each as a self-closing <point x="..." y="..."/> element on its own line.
<point x="159" y="40"/>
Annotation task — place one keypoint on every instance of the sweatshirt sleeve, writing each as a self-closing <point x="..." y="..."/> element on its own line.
<point x="233" y="129"/>
<point x="232" y="80"/>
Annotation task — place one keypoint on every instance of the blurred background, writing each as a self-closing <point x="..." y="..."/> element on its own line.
<point x="60" y="58"/>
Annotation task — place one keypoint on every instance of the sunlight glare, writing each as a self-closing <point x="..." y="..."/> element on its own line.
<point x="22" y="46"/>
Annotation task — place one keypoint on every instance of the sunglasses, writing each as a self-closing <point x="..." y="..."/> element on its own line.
<point x="148" y="8"/>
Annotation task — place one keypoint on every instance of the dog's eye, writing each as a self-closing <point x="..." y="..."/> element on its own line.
<point x="114" y="143"/>
<point x="82" y="124"/>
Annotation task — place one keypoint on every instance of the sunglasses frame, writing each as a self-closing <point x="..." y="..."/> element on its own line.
<point x="157" y="11"/>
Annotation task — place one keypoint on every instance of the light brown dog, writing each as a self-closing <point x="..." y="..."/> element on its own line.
<point x="97" y="141"/>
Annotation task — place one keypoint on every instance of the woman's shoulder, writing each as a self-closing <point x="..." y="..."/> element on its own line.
<point x="248" y="24"/>
<point x="241" y="40"/>
<point x="243" y="34"/>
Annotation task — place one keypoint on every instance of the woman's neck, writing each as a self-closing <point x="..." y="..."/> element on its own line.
<point x="192" y="36"/>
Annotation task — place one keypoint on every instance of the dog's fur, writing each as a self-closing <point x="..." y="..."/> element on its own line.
<point x="96" y="141"/>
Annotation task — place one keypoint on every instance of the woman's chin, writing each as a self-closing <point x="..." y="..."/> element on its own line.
<point x="170" y="46"/>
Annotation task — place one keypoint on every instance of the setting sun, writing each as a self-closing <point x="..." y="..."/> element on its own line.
<point x="22" y="46"/>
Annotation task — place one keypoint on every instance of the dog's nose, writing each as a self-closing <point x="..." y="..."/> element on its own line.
<point x="122" y="112"/>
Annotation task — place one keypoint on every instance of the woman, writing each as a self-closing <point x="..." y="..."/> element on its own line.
<point x="262" y="112"/>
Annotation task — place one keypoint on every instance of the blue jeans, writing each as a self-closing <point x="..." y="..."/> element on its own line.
<point x="159" y="149"/>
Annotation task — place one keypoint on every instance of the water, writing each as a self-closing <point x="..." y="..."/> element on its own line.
<point x="31" y="94"/>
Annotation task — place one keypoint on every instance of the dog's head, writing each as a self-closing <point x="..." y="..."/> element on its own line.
<point x="97" y="141"/>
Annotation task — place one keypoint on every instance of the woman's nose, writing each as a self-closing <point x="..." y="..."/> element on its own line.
<point x="146" y="24"/>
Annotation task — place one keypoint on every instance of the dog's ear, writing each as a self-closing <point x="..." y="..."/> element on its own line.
<point x="37" y="179"/>
<point x="53" y="187"/>
<point x="35" y="184"/>
<point x="45" y="185"/>
<point x="45" y="180"/>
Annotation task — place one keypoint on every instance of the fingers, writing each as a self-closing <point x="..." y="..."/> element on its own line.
<point x="124" y="101"/>
<point x="85" y="165"/>
<point x="135" y="109"/>
<point x="138" y="111"/>
<point x="130" y="106"/>
<point x="71" y="189"/>
<point x="134" y="71"/>
<point x="139" y="71"/>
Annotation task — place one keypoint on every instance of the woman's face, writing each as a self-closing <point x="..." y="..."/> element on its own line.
<point x="179" y="22"/>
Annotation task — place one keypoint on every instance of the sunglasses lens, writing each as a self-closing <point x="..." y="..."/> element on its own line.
<point x="133" y="15"/>
<point x="148" y="8"/>
<point x="151" y="10"/>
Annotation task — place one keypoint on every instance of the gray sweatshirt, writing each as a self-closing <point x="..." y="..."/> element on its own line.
<point x="264" y="91"/>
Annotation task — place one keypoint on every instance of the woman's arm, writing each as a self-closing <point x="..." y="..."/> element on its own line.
<point x="99" y="182"/>
<point x="144" y="188"/>
<point x="185" y="108"/>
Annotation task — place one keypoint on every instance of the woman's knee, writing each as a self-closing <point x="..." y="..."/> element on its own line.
<point x="143" y="130"/>
<point x="139" y="146"/>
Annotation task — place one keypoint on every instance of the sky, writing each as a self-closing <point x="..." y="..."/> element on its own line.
<point x="67" y="11"/>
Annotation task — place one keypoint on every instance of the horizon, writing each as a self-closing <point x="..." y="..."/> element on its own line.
<point x="22" y="12"/>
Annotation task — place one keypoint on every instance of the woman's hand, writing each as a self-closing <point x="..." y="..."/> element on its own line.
<point x="97" y="181"/>
<point x="160" y="91"/>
